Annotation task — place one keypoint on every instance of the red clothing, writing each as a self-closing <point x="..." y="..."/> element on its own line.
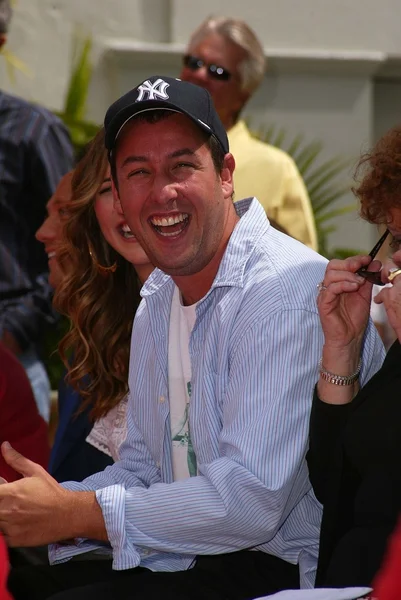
<point x="387" y="585"/>
<point x="4" y="595"/>
<point x="20" y="422"/>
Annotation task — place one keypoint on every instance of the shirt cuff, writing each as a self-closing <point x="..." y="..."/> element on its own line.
<point x="59" y="553"/>
<point x="112" y="502"/>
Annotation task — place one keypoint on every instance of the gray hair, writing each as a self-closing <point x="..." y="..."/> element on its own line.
<point x="253" y="67"/>
<point x="5" y="15"/>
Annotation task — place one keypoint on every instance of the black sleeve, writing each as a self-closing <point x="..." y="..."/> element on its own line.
<point x="327" y="422"/>
<point x="27" y="319"/>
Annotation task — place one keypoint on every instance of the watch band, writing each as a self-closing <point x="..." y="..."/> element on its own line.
<point x="339" y="379"/>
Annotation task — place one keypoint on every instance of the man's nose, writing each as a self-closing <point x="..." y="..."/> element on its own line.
<point x="201" y="74"/>
<point x="164" y="190"/>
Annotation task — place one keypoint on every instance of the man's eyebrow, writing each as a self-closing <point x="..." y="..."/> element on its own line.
<point x="182" y="152"/>
<point x="133" y="159"/>
<point x="177" y="153"/>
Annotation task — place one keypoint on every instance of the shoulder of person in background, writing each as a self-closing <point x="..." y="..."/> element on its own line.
<point x="38" y="145"/>
<point x="387" y="584"/>
<point x="4" y="569"/>
<point x="271" y="175"/>
<point x="20" y="422"/>
<point x="247" y="148"/>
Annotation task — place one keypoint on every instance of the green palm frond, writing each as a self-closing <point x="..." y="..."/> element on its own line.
<point x="328" y="196"/>
<point x="75" y="106"/>
<point x="333" y="214"/>
<point x="333" y="166"/>
<point x="325" y="181"/>
<point x="81" y="74"/>
<point x="296" y="145"/>
<point x="13" y="64"/>
<point x="323" y="177"/>
<point x="305" y="158"/>
<point x="344" y="253"/>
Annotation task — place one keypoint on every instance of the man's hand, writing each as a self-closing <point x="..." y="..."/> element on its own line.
<point x="391" y="296"/>
<point x="344" y="303"/>
<point x="37" y="510"/>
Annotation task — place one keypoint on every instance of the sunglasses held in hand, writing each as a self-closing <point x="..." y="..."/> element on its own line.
<point x="216" y="71"/>
<point x="374" y="277"/>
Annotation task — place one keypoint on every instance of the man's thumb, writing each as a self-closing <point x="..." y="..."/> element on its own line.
<point x="19" y="463"/>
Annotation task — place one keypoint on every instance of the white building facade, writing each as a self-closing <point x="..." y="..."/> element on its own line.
<point x="334" y="65"/>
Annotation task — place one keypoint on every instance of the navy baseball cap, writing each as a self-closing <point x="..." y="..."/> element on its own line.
<point x="165" y="93"/>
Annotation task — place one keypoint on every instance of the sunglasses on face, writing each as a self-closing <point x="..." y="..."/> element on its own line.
<point x="215" y="71"/>
<point x="368" y="275"/>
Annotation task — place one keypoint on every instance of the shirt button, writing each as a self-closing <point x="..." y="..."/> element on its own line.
<point x="162" y="399"/>
<point x="158" y="464"/>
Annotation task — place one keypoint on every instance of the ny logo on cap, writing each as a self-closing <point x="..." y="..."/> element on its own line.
<point x="153" y="91"/>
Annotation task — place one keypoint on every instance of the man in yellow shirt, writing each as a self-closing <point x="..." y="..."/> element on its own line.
<point x="225" y="57"/>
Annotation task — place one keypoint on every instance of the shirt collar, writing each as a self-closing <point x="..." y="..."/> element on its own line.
<point x="252" y="225"/>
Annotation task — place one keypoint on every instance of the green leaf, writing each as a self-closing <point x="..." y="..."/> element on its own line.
<point x="336" y="212"/>
<point x="74" y="111"/>
<point x="324" y="180"/>
<point x="336" y="166"/>
<point x="325" y="231"/>
<point x="329" y="196"/>
<point x="13" y="63"/>
<point x="343" y="253"/>
<point x="81" y="74"/>
<point x="307" y="158"/>
<point x="295" y="145"/>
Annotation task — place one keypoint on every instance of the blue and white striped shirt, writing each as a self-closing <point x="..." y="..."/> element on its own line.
<point x="254" y="352"/>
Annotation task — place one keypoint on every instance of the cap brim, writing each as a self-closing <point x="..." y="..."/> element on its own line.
<point x="124" y="116"/>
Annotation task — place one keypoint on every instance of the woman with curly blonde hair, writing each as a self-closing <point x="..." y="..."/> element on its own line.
<point x="355" y="434"/>
<point x="97" y="268"/>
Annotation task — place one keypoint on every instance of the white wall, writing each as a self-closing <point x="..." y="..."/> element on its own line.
<point x="41" y="35"/>
<point x="335" y="67"/>
<point x="306" y="24"/>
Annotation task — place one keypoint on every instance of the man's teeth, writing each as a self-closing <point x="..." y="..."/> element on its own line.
<point x="168" y="221"/>
<point x="51" y="254"/>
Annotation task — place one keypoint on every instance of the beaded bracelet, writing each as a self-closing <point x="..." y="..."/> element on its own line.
<point x="339" y="379"/>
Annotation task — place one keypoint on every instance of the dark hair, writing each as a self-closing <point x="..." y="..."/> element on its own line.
<point x="379" y="189"/>
<point x="5" y="15"/>
<point x="101" y="308"/>
<point x="154" y="116"/>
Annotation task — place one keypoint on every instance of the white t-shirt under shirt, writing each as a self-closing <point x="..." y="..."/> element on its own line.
<point x="182" y="321"/>
<point x="110" y="431"/>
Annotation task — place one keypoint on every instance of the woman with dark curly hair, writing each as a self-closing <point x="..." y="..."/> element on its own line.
<point x="355" y="434"/>
<point x="97" y="267"/>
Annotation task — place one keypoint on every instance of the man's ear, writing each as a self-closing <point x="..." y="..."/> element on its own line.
<point x="226" y="175"/>
<point x="3" y="39"/>
<point x="116" y="198"/>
